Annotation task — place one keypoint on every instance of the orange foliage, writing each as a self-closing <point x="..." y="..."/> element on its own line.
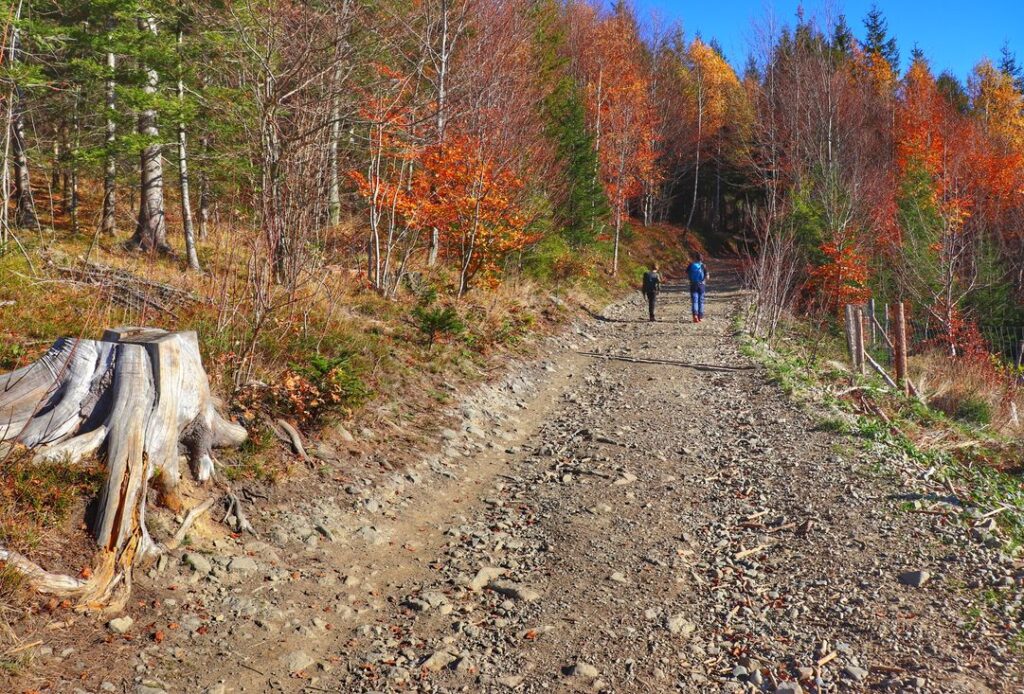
<point x="965" y="165"/>
<point x="842" y="279"/>
<point x="474" y="202"/>
<point x="620" y="109"/>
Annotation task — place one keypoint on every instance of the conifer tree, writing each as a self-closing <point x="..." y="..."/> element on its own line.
<point x="877" y="40"/>
<point x="1009" y="66"/>
<point x="842" y="36"/>
<point x="580" y="204"/>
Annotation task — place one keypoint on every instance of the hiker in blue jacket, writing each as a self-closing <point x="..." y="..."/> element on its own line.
<point x="698" y="274"/>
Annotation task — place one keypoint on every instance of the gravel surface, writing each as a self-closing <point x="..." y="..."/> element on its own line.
<point x="640" y="512"/>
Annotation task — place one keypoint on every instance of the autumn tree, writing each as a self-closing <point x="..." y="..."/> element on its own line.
<point x="998" y="103"/>
<point x="620" y="113"/>
<point x="950" y="175"/>
<point x="712" y="88"/>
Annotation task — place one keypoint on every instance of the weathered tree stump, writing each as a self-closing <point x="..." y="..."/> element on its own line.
<point x="139" y="398"/>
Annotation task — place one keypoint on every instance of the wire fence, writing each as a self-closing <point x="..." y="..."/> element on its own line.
<point x="1003" y="340"/>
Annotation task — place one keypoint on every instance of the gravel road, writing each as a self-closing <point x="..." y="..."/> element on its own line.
<point x="642" y="511"/>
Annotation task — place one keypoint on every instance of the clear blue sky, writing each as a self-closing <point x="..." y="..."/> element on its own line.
<point x="953" y="35"/>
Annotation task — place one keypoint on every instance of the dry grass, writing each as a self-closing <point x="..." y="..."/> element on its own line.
<point x="976" y="394"/>
<point x="253" y="331"/>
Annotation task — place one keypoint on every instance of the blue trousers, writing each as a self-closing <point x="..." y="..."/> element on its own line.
<point x="697" y="298"/>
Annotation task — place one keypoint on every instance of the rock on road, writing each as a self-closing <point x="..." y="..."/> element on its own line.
<point x="641" y="512"/>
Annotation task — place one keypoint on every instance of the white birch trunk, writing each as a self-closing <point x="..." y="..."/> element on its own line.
<point x="25" y="209"/>
<point x="108" y="219"/>
<point x="186" y="202"/>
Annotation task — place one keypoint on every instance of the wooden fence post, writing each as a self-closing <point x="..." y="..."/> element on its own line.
<point x="871" y="320"/>
<point x="888" y="332"/>
<point x="858" y="339"/>
<point x="851" y="336"/>
<point x="900" y="343"/>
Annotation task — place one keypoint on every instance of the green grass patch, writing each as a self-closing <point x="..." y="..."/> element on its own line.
<point x="35" y="497"/>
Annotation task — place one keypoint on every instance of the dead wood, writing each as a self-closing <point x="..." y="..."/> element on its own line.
<point x="139" y="398"/>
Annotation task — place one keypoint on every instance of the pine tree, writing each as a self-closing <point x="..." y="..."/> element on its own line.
<point x="877" y="41"/>
<point x="953" y="91"/>
<point x="842" y="36"/>
<point x="581" y="204"/>
<point x="1009" y="66"/>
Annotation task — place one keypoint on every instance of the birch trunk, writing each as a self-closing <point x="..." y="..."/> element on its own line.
<point x="151" y="227"/>
<point x="25" y="209"/>
<point x="333" y="179"/>
<point x="696" y="168"/>
<point x="186" y="203"/>
<point x="108" y="220"/>
<point x="443" y="57"/>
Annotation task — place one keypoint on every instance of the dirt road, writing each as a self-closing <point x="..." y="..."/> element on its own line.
<point x="641" y="512"/>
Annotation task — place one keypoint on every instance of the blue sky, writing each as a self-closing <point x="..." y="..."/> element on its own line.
<point x="954" y="35"/>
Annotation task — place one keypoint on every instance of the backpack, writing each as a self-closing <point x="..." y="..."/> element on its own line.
<point x="651" y="280"/>
<point x="696" y="272"/>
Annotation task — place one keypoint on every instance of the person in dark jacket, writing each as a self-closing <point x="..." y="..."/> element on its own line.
<point x="698" y="275"/>
<point x="651" y="287"/>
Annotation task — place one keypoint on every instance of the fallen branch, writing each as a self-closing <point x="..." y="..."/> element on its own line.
<point x="748" y="552"/>
<point x="881" y="372"/>
<point x="294" y="439"/>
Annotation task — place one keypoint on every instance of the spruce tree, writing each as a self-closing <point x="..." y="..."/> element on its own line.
<point x="953" y="91"/>
<point x="842" y="36"/>
<point x="581" y="204"/>
<point x="1009" y="66"/>
<point x="877" y="41"/>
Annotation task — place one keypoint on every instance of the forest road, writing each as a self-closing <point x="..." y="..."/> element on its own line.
<point x="641" y="511"/>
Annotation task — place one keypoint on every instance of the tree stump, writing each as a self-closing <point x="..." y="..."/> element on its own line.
<point x="138" y="397"/>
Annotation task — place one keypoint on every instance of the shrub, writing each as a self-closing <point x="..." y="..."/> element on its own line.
<point x="969" y="408"/>
<point x="555" y="260"/>
<point x="974" y="410"/>
<point x="311" y="392"/>
<point x="435" y="321"/>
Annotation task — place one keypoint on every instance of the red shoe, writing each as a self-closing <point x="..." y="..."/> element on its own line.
<point x="696" y="319"/>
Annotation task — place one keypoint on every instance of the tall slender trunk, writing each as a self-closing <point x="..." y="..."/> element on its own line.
<point x="204" y="189"/>
<point x="151" y="228"/>
<point x="25" y="208"/>
<point x="718" y="188"/>
<point x="620" y="208"/>
<point x="696" y="168"/>
<point x="442" y="98"/>
<point x="55" y="168"/>
<point x="333" y="180"/>
<point x="108" y="220"/>
<point x="75" y="141"/>
<point x="186" y="203"/>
